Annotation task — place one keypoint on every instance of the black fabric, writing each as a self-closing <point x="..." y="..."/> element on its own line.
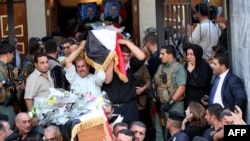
<point x="95" y="50"/>
<point x="153" y="64"/>
<point x="66" y="129"/>
<point x="32" y="136"/>
<point x="13" y="136"/>
<point x="223" y="39"/>
<point x="198" y="81"/>
<point x="4" y="117"/>
<point x="174" y="115"/>
<point x="111" y="19"/>
<point x="119" y="91"/>
<point x="56" y="74"/>
<point x="193" y="131"/>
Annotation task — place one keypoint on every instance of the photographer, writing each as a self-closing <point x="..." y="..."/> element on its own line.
<point x="206" y="33"/>
<point x="6" y="98"/>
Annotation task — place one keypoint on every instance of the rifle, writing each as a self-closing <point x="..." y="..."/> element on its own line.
<point x="12" y="99"/>
<point x="161" y="114"/>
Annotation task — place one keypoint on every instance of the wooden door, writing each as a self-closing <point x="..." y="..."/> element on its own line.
<point x="20" y="22"/>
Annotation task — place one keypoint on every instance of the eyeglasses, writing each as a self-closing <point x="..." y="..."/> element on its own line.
<point x="52" y="139"/>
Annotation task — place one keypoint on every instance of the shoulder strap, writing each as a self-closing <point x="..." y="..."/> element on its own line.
<point x="4" y="72"/>
<point x="170" y="75"/>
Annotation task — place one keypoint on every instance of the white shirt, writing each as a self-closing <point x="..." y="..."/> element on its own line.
<point x="217" y="96"/>
<point x="83" y="85"/>
<point x="206" y="34"/>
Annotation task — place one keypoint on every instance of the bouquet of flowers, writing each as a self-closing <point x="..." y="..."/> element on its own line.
<point x="61" y="106"/>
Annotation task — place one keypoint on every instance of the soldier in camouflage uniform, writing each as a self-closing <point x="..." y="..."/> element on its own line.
<point x="27" y="67"/>
<point x="6" y="105"/>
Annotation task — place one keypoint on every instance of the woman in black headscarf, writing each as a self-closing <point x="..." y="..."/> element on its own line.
<point x="199" y="74"/>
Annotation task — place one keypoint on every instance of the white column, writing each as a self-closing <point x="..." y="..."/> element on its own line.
<point x="36" y="18"/>
<point x="240" y="41"/>
<point x="147" y="16"/>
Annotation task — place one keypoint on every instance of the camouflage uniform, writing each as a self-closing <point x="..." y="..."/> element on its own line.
<point x="27" y="67"/>
<point x="4" y="95"/>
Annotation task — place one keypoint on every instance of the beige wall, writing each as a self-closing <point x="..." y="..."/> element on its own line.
<point x="36" y="19"/>
<point x="147" y="16"/>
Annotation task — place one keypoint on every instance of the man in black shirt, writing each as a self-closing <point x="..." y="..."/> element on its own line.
<point x="122" y="94"/>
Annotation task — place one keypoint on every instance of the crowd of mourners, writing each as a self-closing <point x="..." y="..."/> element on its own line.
<point x="180" y="91"/>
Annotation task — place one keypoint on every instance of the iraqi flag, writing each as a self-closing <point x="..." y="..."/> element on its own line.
<point x="101" y="47"/>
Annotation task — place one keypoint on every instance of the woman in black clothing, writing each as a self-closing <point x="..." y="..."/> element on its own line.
<point x="199" y="74"/>
<point x="194" y="123"/>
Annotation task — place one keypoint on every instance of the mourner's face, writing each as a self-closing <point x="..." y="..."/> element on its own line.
<point x="126" y="57"/>
<point x="164" y="56"/>
<point x="139" y="132"/>
<point x="217" y="68"/>
<point x="7" y="130"/>
<point x="42" y="65"/>
<point x="209" y="117"/>
<point x="117" y="129"/>
<point x="66" y="47"/>
<point x="190" y="56"/>
<point x="108" y="110"/>
<point x="188" y="113"/>
<point x="82" y="68"/>
<point x="24" y="124"/>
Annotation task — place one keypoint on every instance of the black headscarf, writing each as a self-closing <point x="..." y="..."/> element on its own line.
<point x="198" y="52"/>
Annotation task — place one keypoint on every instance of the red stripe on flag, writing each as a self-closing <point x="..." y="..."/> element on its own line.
<point x="120" y="66"/>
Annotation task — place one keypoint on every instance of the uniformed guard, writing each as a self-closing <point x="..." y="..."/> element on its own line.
<point x="6" y="97"/>
<point x="170" y="83"/>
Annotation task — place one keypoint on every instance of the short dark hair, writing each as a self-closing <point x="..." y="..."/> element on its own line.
<point x="119" y="124"/>
<point x="34" y="39"/>
<point x="128" y="133"/>
<point x="151" y="38"/>
<point x="170" y="49"/>
<point x="138" y="123"/>
<point x="215" y="109"/>
<point x="50" y="46"/>
<point x="34" y="47"/>
<point x="169" y="32"/>
<point x="58" y="33"/>
<point x="202" y="8"/>
<point x="125" y="49"/>
<point x="222" y="59"/>
<point x="5" y="48"/>
<point x="38" y="55"/>
<point x="70" y="41"/>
